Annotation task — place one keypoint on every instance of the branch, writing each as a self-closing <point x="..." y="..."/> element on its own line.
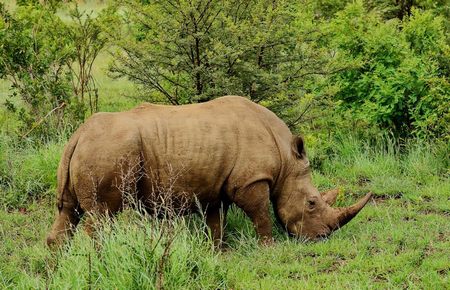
<point x="62" y="105"/>
<point x="293" y="123"/>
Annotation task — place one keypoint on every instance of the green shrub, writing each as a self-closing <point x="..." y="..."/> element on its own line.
<point x="33" y="56"/>
<point x="398" y="77"/>
<point x="49" y="64"/>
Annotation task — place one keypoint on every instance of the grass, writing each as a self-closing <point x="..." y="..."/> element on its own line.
<point x="401" y="239"/>
<point x="27" y="173"/>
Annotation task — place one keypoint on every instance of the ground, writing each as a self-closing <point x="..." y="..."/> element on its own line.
<point x="398" y="241"/>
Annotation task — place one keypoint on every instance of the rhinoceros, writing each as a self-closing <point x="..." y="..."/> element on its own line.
<point x="211" y="155"/>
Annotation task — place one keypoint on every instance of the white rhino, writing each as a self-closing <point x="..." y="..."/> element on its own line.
<point x="228" y="150"/>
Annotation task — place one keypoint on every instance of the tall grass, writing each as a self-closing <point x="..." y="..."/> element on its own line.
<point x="27" y="172"/>
<point x="386" y="167"/>
<point x="135" y="251"/>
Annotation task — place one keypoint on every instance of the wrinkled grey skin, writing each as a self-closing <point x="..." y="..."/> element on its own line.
<point x="229" y="150"/>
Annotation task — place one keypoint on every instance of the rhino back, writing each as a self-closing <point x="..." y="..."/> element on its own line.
<point x="206" y="150"/>
<point x="211" y="148"/>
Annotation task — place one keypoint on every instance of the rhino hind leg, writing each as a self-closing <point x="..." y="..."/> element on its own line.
<point x="99" y="208"/>
<point x="66" y="220"/>
<point x="254" y="201"/>
<point x="215" y="219"/>
<point x="95" y="217"/>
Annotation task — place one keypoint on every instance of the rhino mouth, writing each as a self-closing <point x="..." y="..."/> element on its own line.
<point x="304" y="238"/>
<point x="322" y="236"/>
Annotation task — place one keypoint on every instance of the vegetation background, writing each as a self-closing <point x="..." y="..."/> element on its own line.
<point x="366" y="83"/>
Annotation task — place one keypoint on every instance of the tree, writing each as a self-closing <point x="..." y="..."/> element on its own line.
<point x="191" y="51"/>
<point x="49" y="64"/>
<point x="33" y="57"/>
<point x="88" y="38"/>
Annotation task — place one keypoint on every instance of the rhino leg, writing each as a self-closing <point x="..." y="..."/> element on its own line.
<point x="66" y="220"/>
<point x="254" y="201"/>
<point x="215" y="219"/>
<point x="100" y="209"/>
<point x="94" y="220"/>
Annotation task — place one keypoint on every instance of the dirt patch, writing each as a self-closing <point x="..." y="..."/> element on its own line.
<point x="443" y="272"/>
<point x="442" y="237"/>
<point x="382" y="277"/>
<point x="409" y="219"/>
<point x="311" y="254"/>
<point x="428" y="211"/>
<point x="385" y="196"/>
<point x="295" y="275"/>
<point x="362" y="181"/>
<point x="261" y="274"/>
<point x="427" y="198"/>
<point x="335" y="266"/>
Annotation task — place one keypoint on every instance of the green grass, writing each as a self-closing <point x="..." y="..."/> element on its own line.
<point x="397" y="241"/>
<point x="27" y="173"/>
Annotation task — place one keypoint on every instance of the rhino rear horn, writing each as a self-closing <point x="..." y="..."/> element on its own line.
<point x="330" y="196"/>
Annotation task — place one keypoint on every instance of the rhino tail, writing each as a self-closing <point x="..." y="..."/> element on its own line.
<point x="67" y="217"/>
<point x="64" y="194"/>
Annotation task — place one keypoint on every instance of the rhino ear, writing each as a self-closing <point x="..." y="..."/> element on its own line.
<point x="298" y="146"/>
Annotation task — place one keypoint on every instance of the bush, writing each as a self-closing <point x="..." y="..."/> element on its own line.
<point x="33" y="55"/>
<point x="49" y="65"/>
<point x="399" y="79"/>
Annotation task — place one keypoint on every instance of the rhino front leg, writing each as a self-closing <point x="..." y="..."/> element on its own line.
<point x="215" y="219"/>
<point x="254" y="201"/>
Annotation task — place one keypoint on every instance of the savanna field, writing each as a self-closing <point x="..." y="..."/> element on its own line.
<point x="366" y="84"/>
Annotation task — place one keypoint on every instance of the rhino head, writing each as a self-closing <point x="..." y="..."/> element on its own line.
<point x="299" y="206"/>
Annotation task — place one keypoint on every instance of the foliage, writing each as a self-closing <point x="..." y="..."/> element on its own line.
<point x="316" y="65"/>
<point x="285" y="57"/>
<point x="389" y="9"/>
<point x="33" y="55"/>
<point x="401" y="80"/>
<point x="190" y="51"/>
<point x="88" y="37"/>
<point x="49" y="64"/>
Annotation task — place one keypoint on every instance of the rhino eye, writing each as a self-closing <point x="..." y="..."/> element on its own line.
<point x="311" y="203"/>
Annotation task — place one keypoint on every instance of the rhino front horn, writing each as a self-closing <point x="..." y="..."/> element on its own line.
<point x="344" y="215"/>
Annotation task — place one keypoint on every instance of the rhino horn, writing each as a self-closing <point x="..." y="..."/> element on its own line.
<point x="330" y="196"/>
<point x="344" y="215"/>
